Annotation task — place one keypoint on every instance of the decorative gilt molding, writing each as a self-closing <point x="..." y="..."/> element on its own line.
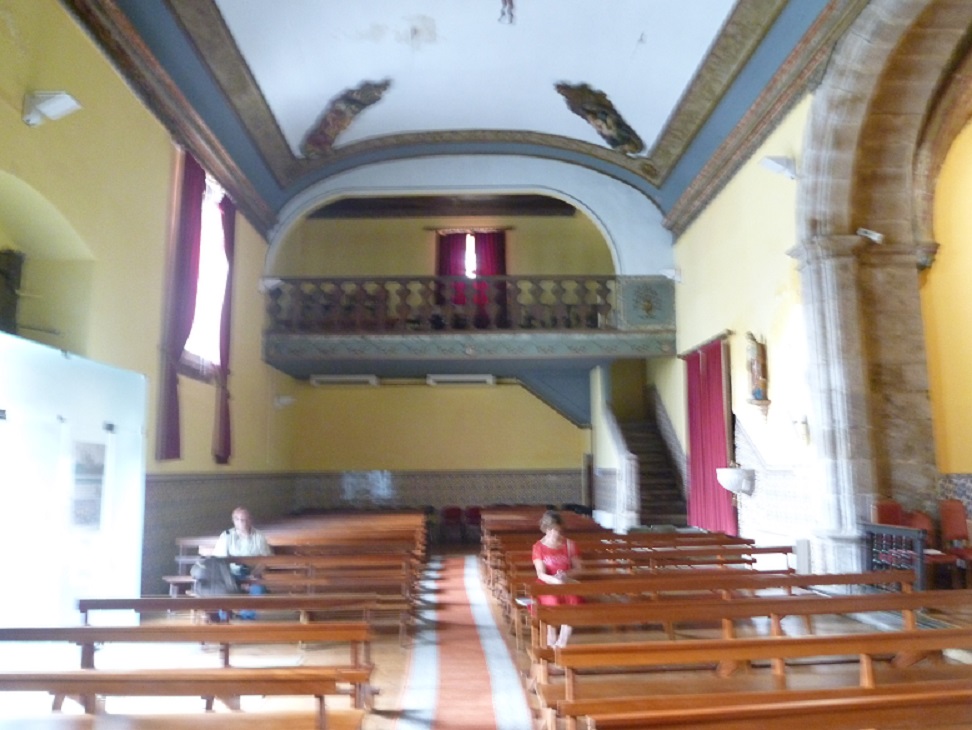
<point x="296" y="355"/>
<point x="741" y="35"/>
<point x="801" y="72"/>
<point x="141" y="69"/>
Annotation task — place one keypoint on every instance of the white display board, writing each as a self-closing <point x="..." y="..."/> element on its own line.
<point x="72" y="482"/>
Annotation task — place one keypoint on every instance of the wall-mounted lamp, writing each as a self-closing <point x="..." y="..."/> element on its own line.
<point x="785" y="166"/>
<point x="39" y="106"/>
<point x="737" y="480"/>
<point x="872" y="236"/>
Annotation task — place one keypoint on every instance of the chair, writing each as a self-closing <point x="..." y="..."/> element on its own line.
<point x="933" y="555"/>
<point x="955" y="533"/>
<point x="472" y="521"/>
<point x="888" y="511"/>
<point x="450" y="524"/>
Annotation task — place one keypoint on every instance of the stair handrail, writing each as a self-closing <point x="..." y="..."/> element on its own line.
<point x="627" y="493"/>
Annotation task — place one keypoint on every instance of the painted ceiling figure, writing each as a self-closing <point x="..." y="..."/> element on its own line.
<point x="595" y="107"/>
<point x="339" y="114"/>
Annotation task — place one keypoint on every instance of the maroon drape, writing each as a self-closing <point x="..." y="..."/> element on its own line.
<point x="181" y="307"/>
<point x="450" y="260"/>
<point x="710" y="506"/>
<point x="222" y="446"/>
<point x="490" y="261"/>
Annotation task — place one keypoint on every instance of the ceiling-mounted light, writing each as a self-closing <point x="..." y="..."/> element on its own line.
<point x="40" y="106"/>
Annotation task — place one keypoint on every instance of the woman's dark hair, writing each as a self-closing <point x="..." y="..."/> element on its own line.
<point x="550" y="518"/>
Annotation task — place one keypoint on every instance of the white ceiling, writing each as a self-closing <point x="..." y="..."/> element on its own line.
<point x="240" y="83"/>
<point x="641" y="53"/>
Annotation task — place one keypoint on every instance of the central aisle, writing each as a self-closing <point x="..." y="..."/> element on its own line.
<point x="461" y="676"/>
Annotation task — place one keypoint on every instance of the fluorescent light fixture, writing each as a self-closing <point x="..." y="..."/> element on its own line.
<point x="317" y="380"/>
<point x="460" y="379"/>
<point x="40" y="106"/>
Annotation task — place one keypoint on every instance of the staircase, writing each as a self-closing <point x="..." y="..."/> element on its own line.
<point x="662" y="502"/>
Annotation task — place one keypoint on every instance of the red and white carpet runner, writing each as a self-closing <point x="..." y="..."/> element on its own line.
<point x="461" y="675"/>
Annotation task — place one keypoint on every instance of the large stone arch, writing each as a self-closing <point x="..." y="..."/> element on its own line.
<point x="869" y="166"/>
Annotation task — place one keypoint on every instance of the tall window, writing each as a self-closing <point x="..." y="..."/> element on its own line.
<point x="201" y="351"/>
<point x="197" y="326"/>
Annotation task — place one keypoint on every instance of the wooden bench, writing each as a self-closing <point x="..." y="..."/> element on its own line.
<point x="357" y="636"/>
<point x="231" y="681"/>
<point x="695" y="660"/>
<point x="619" y="557"/>
<point x="366" y="606"/>
<point x="725" y="612"/>
<point x="904" y="705"/>
<point x="337" y="719"/>
<point x="679" y="585"/>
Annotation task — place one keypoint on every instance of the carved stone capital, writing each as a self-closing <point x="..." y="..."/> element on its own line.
<point x="925" y="252"/>
<point x="822" y="248"/>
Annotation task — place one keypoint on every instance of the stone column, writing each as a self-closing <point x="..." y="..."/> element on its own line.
<point x="903" y="442"/>
<point x="840" y="423"/>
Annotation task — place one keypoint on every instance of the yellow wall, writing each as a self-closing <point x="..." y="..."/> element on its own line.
<point x="627" y="390"/>
<point x="96" y="231"/>
<point x="947" y="311"/>
<point x="87" y="198"/>
<point x="419" y="427"/>
<point x="388" y="247"/>
<point x="736" y="275"/>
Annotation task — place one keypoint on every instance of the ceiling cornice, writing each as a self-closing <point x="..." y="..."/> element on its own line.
<point x="799" y="74"/>
<point x="741" y="35"/>
<point x="116" y="36"/>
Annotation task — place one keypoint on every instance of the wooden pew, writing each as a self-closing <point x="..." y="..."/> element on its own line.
<point x="231" y="681"/>
<point x="696" y="658"/>
<point x="357" y="635"/>
<point x="606" y="560"/>
<point x="337" y="719"/>
<point x="364" y="606"/>
<point x="904" y="705"/>
<point x="725" y="612"/>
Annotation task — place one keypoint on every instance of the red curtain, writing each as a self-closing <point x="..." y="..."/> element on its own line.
<point x="222" y="447"/>
<point x="181" y="308"/>
<point x="451" y="261"/>
<point x="490" y="261"/>
<point x="710" y="506"/>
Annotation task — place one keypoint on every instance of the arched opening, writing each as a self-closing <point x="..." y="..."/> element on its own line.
<point x="53" y="297"/>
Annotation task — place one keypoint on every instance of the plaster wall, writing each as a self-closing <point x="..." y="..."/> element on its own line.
<point x="389" y="247"/>
<point x="947" y="311"/>
<point x="736" y="275"/>
<point x="402" y="427"/>
<point x="628" y="221"/>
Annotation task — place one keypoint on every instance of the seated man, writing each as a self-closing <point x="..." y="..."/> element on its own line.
<point x="242" y="539"/>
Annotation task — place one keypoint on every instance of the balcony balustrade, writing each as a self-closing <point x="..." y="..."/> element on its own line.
<point x="441" y="304"/>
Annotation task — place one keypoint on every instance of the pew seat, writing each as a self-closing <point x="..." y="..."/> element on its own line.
<point x="89" y="684"/>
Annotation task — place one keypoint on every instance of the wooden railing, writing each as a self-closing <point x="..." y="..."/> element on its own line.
<point x="441" y="304"/>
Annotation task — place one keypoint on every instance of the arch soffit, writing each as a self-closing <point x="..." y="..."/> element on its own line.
<point x="624" y="216"/>
<point x="951" y="114"/>
<point x="837" y="152"/>
<point x="876" y="140"/>
<point x="35" y="226"/>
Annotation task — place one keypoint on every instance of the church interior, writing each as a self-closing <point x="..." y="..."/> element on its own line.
<point x="667" y="271"/>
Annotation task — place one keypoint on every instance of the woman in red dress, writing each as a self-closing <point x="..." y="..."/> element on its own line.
<point x="555" y="558"/>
